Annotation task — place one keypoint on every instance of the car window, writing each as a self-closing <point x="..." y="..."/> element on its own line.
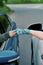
<point x="4" y="23"/>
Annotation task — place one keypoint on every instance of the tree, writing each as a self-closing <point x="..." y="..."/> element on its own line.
<point x="6" y="1"/>
<point x="27" y="1"/>
<point x="1" y="2"/>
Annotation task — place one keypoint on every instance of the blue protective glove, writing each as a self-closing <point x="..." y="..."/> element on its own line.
<point x="22" y="31"/>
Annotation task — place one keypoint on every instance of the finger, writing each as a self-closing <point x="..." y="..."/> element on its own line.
<point x="14" y="30"/>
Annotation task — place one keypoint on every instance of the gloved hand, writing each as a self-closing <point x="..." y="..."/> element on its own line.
<point x="26" y="31"/>
<point x="22" y="31"/>
<point x="19" y="31"/>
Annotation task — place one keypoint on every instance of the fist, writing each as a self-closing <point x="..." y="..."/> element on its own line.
<point x="12" y="33"/>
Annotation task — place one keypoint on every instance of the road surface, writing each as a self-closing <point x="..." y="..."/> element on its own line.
<point x="24" y="16"/>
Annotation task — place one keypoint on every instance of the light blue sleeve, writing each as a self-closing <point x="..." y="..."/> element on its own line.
<point x="22" y="31"/>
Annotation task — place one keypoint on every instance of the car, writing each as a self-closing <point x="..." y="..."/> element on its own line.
<point x="6" y="24"/>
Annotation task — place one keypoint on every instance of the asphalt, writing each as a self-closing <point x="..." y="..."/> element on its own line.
<point x="24" y="16"/>
<point x="25" y="5"/>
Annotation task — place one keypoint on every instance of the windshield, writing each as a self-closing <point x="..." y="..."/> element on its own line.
<point x="4" y="23"/>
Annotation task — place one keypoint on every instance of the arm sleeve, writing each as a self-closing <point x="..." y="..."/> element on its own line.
<point x="4" y="37"/>
<point x="22" y="31"/>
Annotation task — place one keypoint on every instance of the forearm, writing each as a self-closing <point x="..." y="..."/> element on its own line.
<point x="4" y="36"/>
<point x="38" y="34"/>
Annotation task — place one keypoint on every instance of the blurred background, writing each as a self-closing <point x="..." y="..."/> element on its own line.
<point x="25" y="13"/>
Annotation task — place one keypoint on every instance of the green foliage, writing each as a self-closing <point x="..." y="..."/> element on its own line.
<point x="6" y="9"/>
<point x="1" y="2"/>
<point x="3" y="6"/>
<point x="24" y="1"/>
